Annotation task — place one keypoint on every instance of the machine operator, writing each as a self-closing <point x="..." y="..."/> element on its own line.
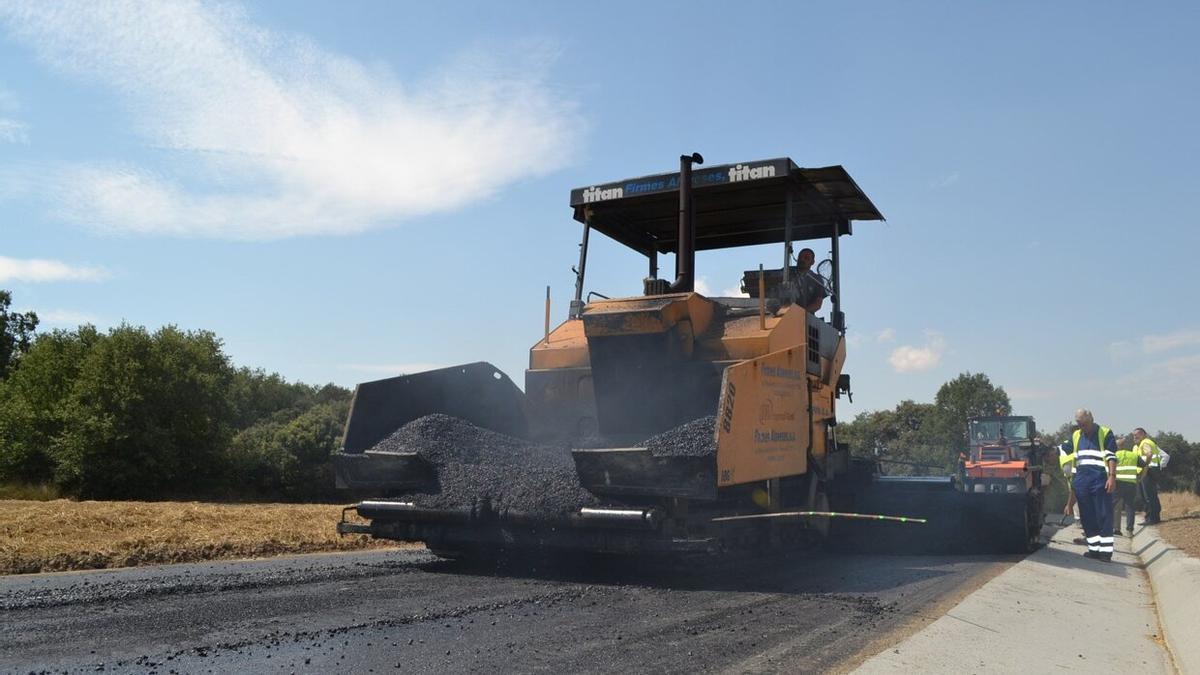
<point x="809" y="286"/>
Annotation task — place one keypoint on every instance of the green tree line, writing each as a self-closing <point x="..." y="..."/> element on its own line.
<point x="134" y="414"/>
<point x="916" y="438"/>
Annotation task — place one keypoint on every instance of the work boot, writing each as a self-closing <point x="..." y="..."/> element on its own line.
<point x="1094" y="555"/>
<point x="1106" y="557"/>
<point x="1079" y="540"/>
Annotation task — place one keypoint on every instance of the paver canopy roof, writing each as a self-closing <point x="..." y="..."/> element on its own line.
<point x="735" y="205"/>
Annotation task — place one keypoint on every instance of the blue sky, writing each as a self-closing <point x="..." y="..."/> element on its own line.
<point x="344" y="191"/>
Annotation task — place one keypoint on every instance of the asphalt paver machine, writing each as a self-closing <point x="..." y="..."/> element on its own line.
<point x="766" y="372"/>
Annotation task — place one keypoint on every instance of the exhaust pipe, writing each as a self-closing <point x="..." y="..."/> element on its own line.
<point x="685" y="249"/>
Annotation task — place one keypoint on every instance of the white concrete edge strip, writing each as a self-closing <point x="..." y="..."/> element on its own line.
<point x="1038" y="616"/>
<point x="1175" y="578"/>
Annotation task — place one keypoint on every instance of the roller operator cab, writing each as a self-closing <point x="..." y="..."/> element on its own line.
<point x="748" y="385"/>
<point x="1002" y="478"/>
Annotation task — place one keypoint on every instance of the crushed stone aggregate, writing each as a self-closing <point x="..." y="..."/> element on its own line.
<point x="474" y="465"/>
<point x="693" y="439"/>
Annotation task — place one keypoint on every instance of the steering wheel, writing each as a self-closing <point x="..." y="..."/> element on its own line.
<point x="824" y="271"/>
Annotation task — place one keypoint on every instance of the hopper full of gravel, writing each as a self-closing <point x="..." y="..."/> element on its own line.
<point x="693" y="439"/>
<point x="474" y="464"/>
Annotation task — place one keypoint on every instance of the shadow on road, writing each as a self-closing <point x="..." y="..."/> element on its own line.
<point x="1058" y="557"/>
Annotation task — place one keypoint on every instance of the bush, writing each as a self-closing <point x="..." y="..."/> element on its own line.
<point x="147" y="416"/>
<point x="33" y="404"/>
<point x="290" y="458"/>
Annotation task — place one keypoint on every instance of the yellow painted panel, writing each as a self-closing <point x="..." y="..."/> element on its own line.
<point x="839" y="361"/>
<point x="819" y="449"/>
<point x="700" y="310"/>
<point x="548" y="360"/>
<point x="763" y="426"/>
<point x="567" y="348"/>
<point x="791" y="330"/>
<point x="822" y="411"/>
<point x="744" y="347"/>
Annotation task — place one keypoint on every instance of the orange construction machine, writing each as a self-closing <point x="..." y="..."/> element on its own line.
<point x="1001" y="477"/>
<point x="685" y="422"/>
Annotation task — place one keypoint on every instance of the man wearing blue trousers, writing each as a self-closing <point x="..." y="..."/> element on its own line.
<point x="1094" y="448"/>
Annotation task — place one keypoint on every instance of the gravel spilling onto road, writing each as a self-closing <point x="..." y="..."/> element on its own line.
<point x="694" y="439"/>
<point x="475" y="464"/>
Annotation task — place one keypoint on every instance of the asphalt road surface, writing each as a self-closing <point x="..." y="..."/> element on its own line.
<point x="404" y="611"/>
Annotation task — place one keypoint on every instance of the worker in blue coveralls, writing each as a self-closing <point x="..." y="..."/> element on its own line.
<point x="1095" y="451"/>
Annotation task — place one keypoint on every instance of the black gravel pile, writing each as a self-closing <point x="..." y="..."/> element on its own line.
<point x="694" y="439"/>
<point x="442" y="439"/>
<point x="475" y="464"/>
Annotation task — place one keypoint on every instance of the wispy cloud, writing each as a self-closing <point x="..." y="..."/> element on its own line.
<point x="66" y="317"/>
<point x="391" y="368"/>
<point x="34" y="270"/>
<point x="1121" y="350"/>
<point x="12" y="131"/>
<point x="944" y="181"/>
<point x="1176" y="379"/>
<point x="1154" y="344"/>
<point x="886" y="335"/>
<point x="266" y="135"/>
<point x="912" y="359"/>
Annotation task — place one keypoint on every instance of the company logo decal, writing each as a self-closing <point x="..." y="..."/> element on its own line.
<point x="743" y="172"/>
<point x="594" y="194"/>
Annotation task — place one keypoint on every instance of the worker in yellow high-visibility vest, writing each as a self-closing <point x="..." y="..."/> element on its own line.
<point x="1095" y="450"/>
<point x="1153" y="457"/>
<point x="1130" y="465"/>
<point x="1067" y="464"/>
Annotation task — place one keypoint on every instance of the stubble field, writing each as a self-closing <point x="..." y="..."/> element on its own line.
<point x="1181" y="521"/>
<point x="59" y="535"/>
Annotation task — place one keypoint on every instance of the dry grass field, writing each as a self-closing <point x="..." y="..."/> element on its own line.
<point x="1181" y="521"/>
<point x="51" y="536"/>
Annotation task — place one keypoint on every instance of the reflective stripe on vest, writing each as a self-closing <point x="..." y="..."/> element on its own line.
<point x="1089" y="456"/>
<point x="1127" y="465"/>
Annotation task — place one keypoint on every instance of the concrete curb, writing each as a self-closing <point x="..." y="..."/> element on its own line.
<point x="1175" y="578"/>
<point x="1040" y="616"/>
